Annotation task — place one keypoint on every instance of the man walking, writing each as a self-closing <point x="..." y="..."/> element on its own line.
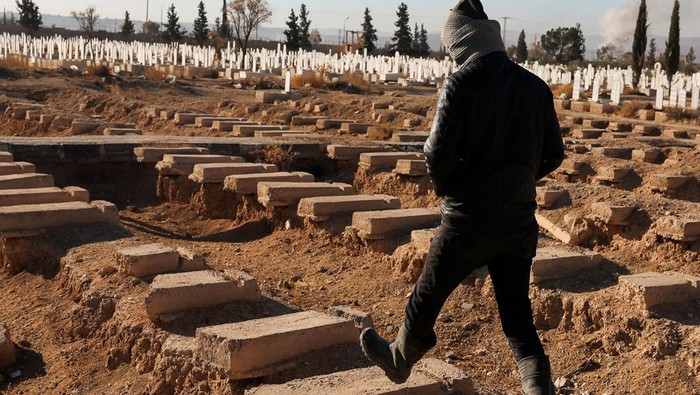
<point x="494" y="135"/>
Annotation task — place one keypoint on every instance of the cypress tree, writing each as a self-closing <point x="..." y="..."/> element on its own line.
<point x="402" y="40"/>
<point x="521" y="50"/>
<point x="200" y="32"/>
<point x="29" y="15"/>
<point x="673" y="45"/>
<point x="292" y="32"/>
<point x="369" y="33"/>
<point x="304" y="27"/>
<point x="424" y="46"/>
<point x="639" y="46"/>
<point x="224" y="28"/>
<point x="173" y="31"/>
<point x="651" y="56"/>
<point x="128" y="26"/>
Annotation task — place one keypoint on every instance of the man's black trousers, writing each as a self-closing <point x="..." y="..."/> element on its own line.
<point x="463" y="245"/>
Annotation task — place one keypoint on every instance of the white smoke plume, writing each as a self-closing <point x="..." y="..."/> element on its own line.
<point x="619" y="23"/>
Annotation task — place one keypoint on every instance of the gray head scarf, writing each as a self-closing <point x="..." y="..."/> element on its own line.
<point x="468" y="34"/>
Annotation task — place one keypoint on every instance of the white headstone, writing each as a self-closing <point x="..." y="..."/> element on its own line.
<point x="288" y="82"/>
<point x="660" y="99"/>
<point x="682" y="98"/>
<point x="695" y="101"/>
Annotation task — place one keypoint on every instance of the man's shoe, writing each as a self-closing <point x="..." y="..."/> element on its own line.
<point x="397" y="358"/>
<point x="536" y="375"/>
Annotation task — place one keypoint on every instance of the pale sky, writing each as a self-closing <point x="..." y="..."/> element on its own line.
<point x="535" y="16"/>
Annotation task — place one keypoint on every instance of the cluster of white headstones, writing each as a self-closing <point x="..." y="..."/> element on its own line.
<point x="593" y="79"/>
<point x="257" y="60"/>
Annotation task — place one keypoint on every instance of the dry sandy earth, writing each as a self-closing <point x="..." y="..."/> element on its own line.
<point x="81" y="330"/>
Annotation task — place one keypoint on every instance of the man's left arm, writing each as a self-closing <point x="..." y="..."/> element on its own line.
<point x="552" y="144"/>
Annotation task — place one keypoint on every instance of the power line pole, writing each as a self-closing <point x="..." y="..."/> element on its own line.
<point x="505" y="24"/>
<point x="146" y="10"/>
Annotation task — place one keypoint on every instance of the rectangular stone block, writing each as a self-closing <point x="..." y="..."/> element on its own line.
<point x="381" y="106"/>
<point x="247" y="184"/>
<point x="613" y="173"/>
<point x="147" y="260"/>
<point x="645" y="130"/>
<point x="322" y="208"/>
<point x="172" y="293"/>
<point x="556" y="262"/>
<point x="678" y="228"/>
<point x="600" y="108"/>
<point x="154" y="112"/>
<point x="167" y="115"/>
<point x="429" y="377"/>
<point x="62" y="122"/>
<point x="647" y="115"/>
<point x="155" y="154"/>
<point x="46" y="119"/>
<point x="374" y="161"/>
<point x="257" y="347"/>
<point x="78" y="194"/>
<point x="325" y="124"/>
<point x="649" y="155"/>
<point x="612" y="214"/>
<point x="207" y="122"/>
<point x="667" y="182"/>
<point x="209" y="173"/>
<point x="9" y="168"/>
<point x="547" y="198"/>
<point x="381" y="224"/>
<point x="27" y="180"/>
<point x="189" y="118"/>
<point x="613" y="152"/>
<point x="26" y="167"/>
<point x="6" y="157"/>
<point x="676" y="134"/>
<point x="183" y="165"/>
<point x="39" y="216"/>
<point x="354" y="127"/>
<point x="413" y="168"/>
<point x="82" y="127"/>
<point x="580" y="106"/>
<point x="281" y="194"/>
<point x="7" y="348"/>
<point x="268" y="97"/>
<point x="562" y="104"/>
<point x="410" y="137"/>
<point x="227" y="126"/>
<point x="620" y="127"/>
<point x="190" y="260"/>
<point x="276" y="133"/>
<point x="249" y="130"/>
<point x="306" y="121"/>
<point x="648" y="290"/>
<point x="595" y="124"/>
<point x="352" y="152"/>
<point x="588" y="134"/>
<point x="18" y="197"/>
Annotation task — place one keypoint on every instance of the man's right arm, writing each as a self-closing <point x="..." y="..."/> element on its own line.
<point x="552" y="144"/>
<point x="441" y="148"/>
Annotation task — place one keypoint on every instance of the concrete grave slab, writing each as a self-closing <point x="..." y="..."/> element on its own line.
<point x="50" y="215"/>
<point x="155" y="154"/>
<point x="413" y="168"/>
<point x="350" y="152"/>
<point x="374" y="161"/>
<point x="648" y="290"/>
<point x="209" y="173"/>
<point x="382" y="224"/>
<point x="556" y="262"/>
<point x="322" y="208"/>
<point x="256" y="348"/>
<point x="171" y="293"/>
<point x="429" y="377"/>
<point x="24" y="181"/>
<point x="678" y="228"/>
<point x="281" y="194"/>
<point x="247" y="184"/>
<point x="148" y="260"/>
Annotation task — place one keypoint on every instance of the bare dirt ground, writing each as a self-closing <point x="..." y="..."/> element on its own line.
<point x="81" y="329"/>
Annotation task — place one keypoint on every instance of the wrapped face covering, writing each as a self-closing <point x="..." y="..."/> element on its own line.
<point x="468" y="38"/>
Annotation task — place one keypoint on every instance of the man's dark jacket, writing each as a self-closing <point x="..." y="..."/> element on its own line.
<point x="494" y="135"/>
